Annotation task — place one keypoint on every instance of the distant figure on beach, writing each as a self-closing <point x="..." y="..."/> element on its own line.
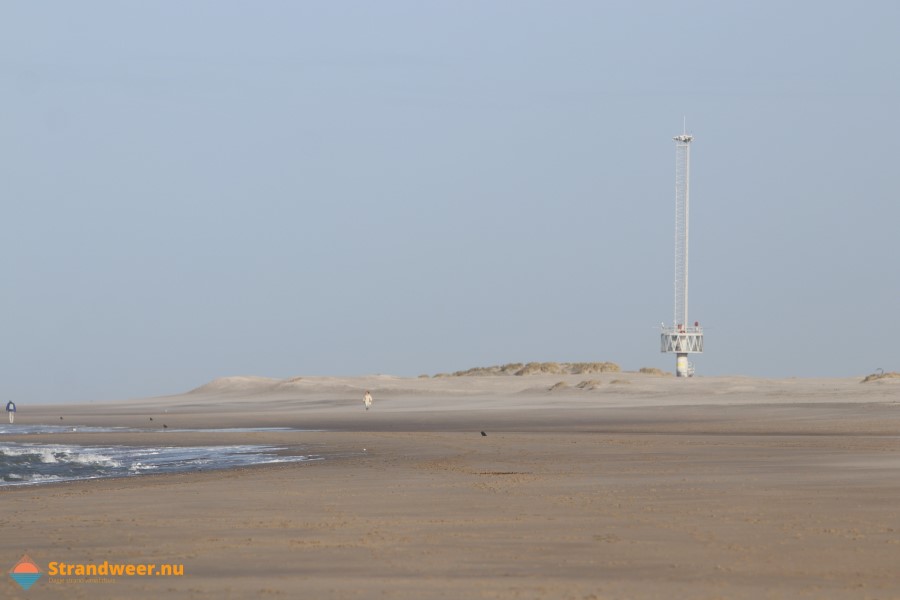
<point x="367" y="399"/>
<point x="11" y="410"/>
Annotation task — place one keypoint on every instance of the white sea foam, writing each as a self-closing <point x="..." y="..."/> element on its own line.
<point x="26" y="463"/>
<point x="94" y="458"/>
<point x="46" y="454"/>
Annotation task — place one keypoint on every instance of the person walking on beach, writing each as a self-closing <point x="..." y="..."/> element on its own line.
<point x="367" y="399"/>
<point x="11" y="410"/>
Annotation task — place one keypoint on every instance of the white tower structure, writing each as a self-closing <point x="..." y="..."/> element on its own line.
<point x="681" y="338"/>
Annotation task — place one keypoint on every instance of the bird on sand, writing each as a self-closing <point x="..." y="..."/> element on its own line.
<point x="483" y="434"/>
<point x="165" y="426"/>
<point x="151" y="418"/>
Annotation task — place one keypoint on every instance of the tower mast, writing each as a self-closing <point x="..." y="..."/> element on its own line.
<point x="682" y="338"/>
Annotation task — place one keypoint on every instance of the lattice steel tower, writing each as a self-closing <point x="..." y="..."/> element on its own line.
<point x="681" y="338"/>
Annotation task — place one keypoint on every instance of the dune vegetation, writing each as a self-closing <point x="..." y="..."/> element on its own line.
<point x="882" y="375"/>
<point x="539" y="368"/>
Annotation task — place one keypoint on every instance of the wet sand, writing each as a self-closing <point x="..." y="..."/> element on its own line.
<point x="649" y="487"/>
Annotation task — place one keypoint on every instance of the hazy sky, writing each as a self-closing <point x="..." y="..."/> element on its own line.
<point x="198" y="189"/>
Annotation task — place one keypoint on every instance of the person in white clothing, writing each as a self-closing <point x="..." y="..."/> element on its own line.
<point x="367" y="399"/>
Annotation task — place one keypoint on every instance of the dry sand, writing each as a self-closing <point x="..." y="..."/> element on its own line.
<point x="649" y="487"/>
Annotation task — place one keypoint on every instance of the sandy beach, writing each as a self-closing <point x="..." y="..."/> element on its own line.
<point x="630" y="486"/>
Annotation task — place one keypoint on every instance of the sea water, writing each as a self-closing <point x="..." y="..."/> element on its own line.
<point x="33" y="429"/>
<point x="23" y="463"/>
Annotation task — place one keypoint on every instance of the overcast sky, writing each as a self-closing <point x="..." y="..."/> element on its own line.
<point x="199" y="189"/>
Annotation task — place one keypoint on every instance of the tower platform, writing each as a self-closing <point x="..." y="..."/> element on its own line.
<point x="683" y="340"/>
